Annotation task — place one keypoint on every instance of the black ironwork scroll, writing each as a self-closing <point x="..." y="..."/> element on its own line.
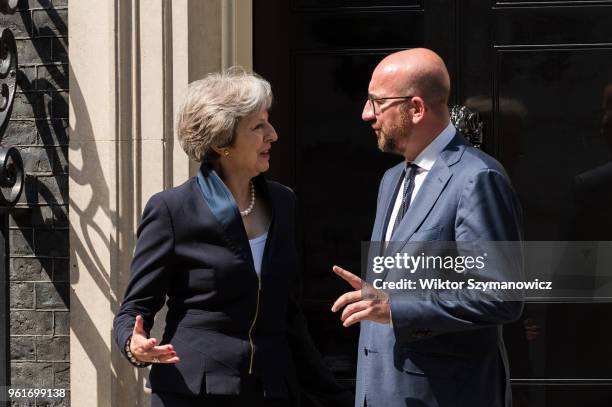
<point x="11" y="176"/>
<point x="8" y="77"/>
<point x="468" y="123"/>
<point x="8" y="6"/>
<point x="11" y="187"/>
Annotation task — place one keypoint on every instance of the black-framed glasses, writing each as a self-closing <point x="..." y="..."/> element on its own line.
<point x="373" y="100"/>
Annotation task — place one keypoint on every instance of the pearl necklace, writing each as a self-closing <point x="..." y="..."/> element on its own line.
<point x="248" y="210"/>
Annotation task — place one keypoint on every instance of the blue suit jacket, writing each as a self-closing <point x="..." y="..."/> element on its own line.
<point x="437" y="352"/>
<point x="223" y="321"/>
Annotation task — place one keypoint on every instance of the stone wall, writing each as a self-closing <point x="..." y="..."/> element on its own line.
<point x="39" y="233"/>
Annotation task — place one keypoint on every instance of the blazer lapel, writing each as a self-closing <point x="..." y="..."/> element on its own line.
<point x="222" y="205"/>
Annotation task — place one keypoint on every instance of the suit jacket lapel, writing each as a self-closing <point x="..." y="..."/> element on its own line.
<point x="433" y="185"/>
<point x="428" y="194"/>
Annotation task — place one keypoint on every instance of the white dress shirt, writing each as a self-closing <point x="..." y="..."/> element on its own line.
<point x="425" y="161"/>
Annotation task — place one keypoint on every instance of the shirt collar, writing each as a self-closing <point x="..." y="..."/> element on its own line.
<point x="428" y="156"/>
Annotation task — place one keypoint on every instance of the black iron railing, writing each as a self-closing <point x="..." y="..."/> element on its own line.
<point x="11" y="186"/>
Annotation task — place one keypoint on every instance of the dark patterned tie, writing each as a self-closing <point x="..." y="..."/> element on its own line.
<point x="409" y="174"/>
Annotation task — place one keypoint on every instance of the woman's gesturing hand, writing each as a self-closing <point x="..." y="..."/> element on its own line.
<point x="144" y="348"/>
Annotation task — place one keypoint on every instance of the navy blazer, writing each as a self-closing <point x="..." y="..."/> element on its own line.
<point x="223" y="320"/>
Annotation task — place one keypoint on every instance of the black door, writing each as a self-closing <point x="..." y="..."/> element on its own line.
<point x="540" y="75"/>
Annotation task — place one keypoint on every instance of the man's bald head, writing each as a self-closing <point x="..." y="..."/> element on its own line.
<point x="419" y="72"/>
<point x="408" y="125"/>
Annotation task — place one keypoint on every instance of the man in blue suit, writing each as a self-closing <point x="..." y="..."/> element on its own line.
<point x="434" y="352"/>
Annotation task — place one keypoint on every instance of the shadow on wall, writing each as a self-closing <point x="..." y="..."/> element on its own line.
<point x="46" y="101"/>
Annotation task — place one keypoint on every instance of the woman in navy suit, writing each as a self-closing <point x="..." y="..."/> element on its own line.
<point x="220" y="251"/>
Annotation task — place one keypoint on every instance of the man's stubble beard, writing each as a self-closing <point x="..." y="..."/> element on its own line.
<point x="387" y="138"/>
<point x="386" y="144"/>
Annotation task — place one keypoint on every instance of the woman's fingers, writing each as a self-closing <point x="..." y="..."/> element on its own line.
<point x="162" y="349"/>
<point x="157" y="354"/>
<point x="146" y="349"/>
<point x="139" y="326"/>
<point x="173" y="359"/>
<point x="163" y="352"/>
<point x="140" y="343"/>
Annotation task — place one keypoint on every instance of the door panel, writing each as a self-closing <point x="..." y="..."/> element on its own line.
<point x="548" y="101"/>
<point x="561" y="341"/>
<point x="577" y="24"/>
<point x="561" y="395"/>
<point x="327" y="4"/>
<point x="357" y="29"/>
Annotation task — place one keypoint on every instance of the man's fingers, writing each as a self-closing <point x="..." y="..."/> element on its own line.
<point x="349" y="277"/>
<point x="353" y="308"/>
<point x="357" y="317"/>
<point x="347" y="298"/>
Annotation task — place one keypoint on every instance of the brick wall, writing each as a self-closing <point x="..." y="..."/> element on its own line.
<point x="39" y="258"/>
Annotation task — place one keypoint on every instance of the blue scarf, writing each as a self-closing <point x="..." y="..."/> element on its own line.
<point x="217" y="196"/>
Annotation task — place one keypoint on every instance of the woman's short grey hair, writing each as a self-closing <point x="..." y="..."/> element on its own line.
<point x="213" y="107"/>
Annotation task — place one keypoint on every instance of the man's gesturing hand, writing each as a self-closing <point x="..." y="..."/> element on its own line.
<point x="374" y="308"/>
<point x="144" y="348"/>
